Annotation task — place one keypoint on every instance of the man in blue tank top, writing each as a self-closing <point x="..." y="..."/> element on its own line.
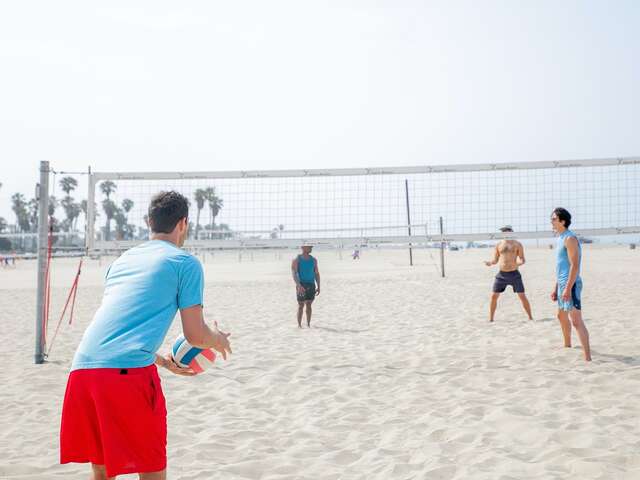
<point x="304" y="269"/>
<point x="568" y="289"/>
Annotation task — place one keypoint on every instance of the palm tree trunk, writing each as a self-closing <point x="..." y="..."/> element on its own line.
<point x="197" y="223"/>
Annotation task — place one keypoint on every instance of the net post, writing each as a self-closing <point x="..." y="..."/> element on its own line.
<point x="43" y="224"/>
<point x="90" y="220"/>
<point x="441" y="248"/>
<point x="406" y="191"/>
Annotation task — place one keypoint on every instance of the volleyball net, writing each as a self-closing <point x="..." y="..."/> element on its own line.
<point x="370" y="206"/>
<point x="331" y="208"/>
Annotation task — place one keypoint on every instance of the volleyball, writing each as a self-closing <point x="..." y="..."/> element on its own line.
<point x="188" y="356"/>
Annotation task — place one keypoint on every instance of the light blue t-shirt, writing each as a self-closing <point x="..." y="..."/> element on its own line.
<point x="144" y="288"/>
<point x="563" y="266"/>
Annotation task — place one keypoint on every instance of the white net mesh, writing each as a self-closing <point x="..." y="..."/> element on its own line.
<point x="336" y="207"/>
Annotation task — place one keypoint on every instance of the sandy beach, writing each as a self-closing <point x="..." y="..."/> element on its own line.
<point x="400" y="377"/>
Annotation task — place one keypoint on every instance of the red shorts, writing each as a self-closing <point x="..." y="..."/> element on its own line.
<point x="116" y="418"/>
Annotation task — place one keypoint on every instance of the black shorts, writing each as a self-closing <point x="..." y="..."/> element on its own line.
<point x="508" y="278"/>
<point x="309" y="292"/>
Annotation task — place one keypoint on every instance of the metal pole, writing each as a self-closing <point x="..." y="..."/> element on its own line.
<point x="43" y="227"/>
<point x="441" y="248"/>
<point x="406" y="191"/>
<point x="91" y="201"/>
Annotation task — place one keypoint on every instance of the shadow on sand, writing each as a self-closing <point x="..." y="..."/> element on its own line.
<point x="626" y="359"/>
<point x="336" y="330"/>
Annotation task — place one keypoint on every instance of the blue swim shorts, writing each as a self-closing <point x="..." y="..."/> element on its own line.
<point x="575" y="300"/>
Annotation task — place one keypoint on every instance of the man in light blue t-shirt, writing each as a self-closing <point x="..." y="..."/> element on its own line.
<point x="568" y="288"/>
<point x="114" y="413"/>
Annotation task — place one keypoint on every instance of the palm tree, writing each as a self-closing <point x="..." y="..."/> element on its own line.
<point x="108" y="187"/>
<point x="68" y="184"/>
<point x="127" y="205"/>
<point x="32" y="214"/>
<point x="215" y="205"/>
<point x="200" y="196"/>
<point x="76" y="210"/>
<point x="83" y="209"/>
<point x="19" y="207"/>
<point x="126" y="229"/>
<point x="53" y="205"/>
<point x="68" y="205"/>
<point x="121" y="222"/>
<point x="208" y="193"/>
<point x="71" y="210"/>
<point x="110" y="209"/>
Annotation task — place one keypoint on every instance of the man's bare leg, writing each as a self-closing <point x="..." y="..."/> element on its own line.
<point x="525" y="304"/>
<point x="162" y="475"/>
<point x="565" y="324"/>
<point x="576" y="319"/>
<point x="308" y="314"/>
<point x="493" y="305"/>
<point x="98" y="472"/>
<point x="300" y="310"/>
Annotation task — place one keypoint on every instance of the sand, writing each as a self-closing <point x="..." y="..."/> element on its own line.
<point x="401" y="376"/>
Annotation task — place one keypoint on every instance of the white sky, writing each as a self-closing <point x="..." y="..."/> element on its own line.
<point x="254" y="84"/>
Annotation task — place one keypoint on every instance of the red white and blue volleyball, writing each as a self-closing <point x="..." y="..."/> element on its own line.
<point x="188" y="356"/>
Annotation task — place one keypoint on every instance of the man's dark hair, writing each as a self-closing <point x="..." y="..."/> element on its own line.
<point x="166" y="210"/>
<point x="563" y="215"/>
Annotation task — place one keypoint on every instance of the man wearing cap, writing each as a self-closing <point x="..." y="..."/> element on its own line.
<point x="304" y="269"/>
<point x="509" y="254"/>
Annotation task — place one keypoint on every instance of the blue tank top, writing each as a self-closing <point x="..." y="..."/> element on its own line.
<point x="563" y="266"/>
<point x="307" y="269"/>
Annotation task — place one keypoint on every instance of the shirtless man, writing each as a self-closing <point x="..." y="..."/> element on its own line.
<point x="509" y="254"/>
